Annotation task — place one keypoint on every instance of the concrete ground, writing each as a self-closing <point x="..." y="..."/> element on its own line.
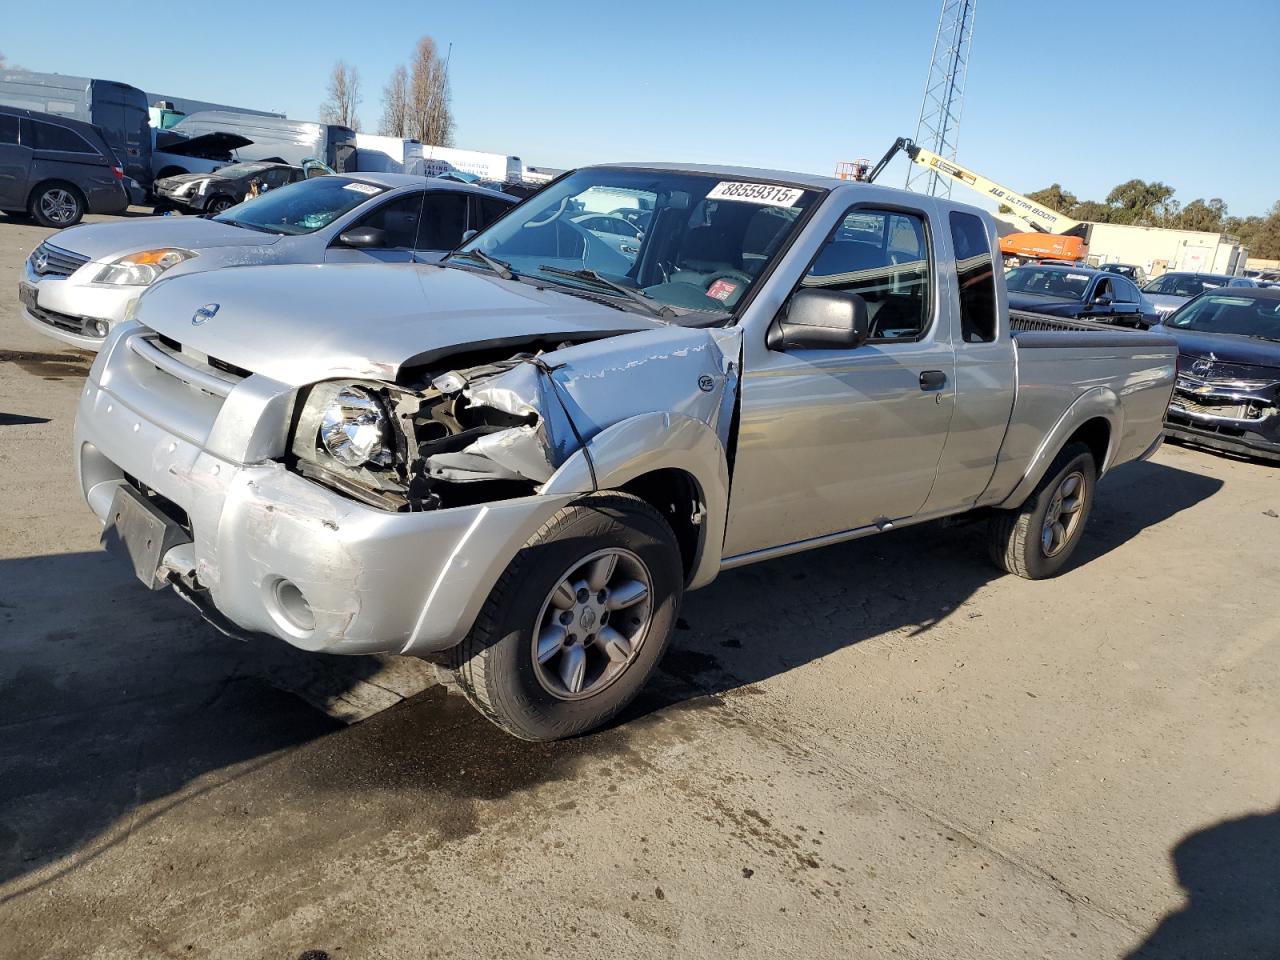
<point x="883" y="748"/>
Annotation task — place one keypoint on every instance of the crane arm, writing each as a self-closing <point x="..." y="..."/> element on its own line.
<point x="1040" y="217"/>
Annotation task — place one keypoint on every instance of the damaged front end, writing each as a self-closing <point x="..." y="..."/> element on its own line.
<point x="500" y="426"/>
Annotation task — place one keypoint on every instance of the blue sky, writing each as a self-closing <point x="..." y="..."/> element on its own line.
<point x="1086" y="93"/>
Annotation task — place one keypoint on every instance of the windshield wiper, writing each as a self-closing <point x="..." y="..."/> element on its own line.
<point x="248" y="226"/>
<point x="499" y="267"/>
<point x="646" y="301"/>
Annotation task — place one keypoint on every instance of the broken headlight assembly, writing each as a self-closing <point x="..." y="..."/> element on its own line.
<point x="354" y="429"/>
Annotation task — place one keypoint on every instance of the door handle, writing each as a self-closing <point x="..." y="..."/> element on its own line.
<point x="933" y="380"/>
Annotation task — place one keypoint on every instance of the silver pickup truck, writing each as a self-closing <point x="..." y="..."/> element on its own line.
<point x="517" y="461"/>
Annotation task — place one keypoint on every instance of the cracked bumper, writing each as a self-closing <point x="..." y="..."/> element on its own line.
<point x="374" y="581"/>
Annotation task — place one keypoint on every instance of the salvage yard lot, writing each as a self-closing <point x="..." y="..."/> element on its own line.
<point x="882" y="748"/>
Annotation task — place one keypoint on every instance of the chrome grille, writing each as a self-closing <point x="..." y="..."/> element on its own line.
<point x="1232" y="409"/>
<point x="50" y="261"/>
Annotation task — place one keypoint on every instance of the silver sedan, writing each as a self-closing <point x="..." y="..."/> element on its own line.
<point x="81" y="281"/>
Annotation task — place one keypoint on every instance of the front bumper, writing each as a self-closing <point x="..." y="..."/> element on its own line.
<point x="1221" y="418"/>
<point x="68" y="308"/>
<point x="373" y="581"/>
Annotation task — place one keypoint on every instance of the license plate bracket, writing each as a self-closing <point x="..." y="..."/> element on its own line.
<point x="137" y="530"/>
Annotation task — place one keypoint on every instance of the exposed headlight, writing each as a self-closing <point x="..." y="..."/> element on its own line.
<point x="187" y="189"/>
<point x="143" y="268"/>
<point x="354" y="429"/>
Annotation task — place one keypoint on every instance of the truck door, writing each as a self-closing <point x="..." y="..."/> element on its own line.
<point x="836" y="439"/>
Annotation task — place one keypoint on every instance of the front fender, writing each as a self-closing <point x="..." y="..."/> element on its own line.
<point x="657" y="441"/>
<point x="1100" y="402"/>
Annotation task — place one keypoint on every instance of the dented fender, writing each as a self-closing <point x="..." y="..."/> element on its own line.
<point x="658" y="441"/>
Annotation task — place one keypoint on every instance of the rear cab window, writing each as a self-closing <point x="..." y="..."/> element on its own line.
<point x="975" y="272"/>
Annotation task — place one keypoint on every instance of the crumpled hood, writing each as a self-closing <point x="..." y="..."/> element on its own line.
<point x="108" y="241"/>
<point x="1226" y="348"/>
<point x="301" y="323"/>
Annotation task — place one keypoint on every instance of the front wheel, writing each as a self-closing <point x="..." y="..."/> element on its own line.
<point x="577" y="622"/>
<point x="1037" y="540"/>
<point x="217" y="205"/>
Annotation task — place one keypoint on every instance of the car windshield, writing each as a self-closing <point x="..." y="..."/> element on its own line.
<point x="1182" y="285"/>
<point x="238" y="171"/>
<point x="1241" y="316"/>
<point x="302" y="207"/>
<point x="708" y="238"/>
<point x="1048" y="282"/>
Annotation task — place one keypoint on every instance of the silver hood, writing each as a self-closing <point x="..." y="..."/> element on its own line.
<point x="107" y="241"/>
<point x="1166" y="302"/>
<point x="301" y="323"/>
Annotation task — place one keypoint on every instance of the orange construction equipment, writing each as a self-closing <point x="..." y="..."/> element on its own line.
<point x="1037" y="246"/>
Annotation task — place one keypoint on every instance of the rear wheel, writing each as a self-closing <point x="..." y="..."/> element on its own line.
<point x="57" y="205"/>
<point x="577" y="622"/>
<point x="1037" y="540"/>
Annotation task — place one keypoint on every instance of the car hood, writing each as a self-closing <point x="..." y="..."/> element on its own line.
<point x="211" y="145"/>
<point x="1225" y="347"/>
<point x="1166" y="300"/>
<point x="107" y="241"/>
<point x="301" y="323"/>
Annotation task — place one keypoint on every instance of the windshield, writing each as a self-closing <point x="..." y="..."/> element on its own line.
<point x="1047" y="282"/>
<point x="1240" y="316"/>
<point x="302" y="207"/>
<point x="1182" y="285"/>
<point x="238" y="171"/>
<point x="705" y="241"/>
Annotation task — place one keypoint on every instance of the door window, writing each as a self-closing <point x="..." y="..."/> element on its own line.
<point x="49" y="136"/>
<point x="444" y="219"/>
<point x="1126" y="292"/>
<point x="486" y="211"/>
<point x="276" y="177"/>
<point x="883" y="256"/>
<point x="398" y="219"/>
<point x="975" y="271"/>
<point x="1103" y="289"/>
<point x="8" y="129"/>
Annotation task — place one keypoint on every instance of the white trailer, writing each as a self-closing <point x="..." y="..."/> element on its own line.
<point x="487" y="166"/>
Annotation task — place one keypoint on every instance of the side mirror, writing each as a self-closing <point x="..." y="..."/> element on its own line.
<point x="1102" y="301"/>
<point x="820" y="320"/>
<point x="363" y="238"/>
<point x="468" y="234"/>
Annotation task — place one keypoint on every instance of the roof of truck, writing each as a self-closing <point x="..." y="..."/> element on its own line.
<point x="750" y="173"/>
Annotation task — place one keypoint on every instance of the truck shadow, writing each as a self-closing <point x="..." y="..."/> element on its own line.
<point x="1230" y="873"/>
<point x="120" y="709"/>
<point x="756" y="622"/>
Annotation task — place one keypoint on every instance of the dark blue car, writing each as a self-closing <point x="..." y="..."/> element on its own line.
<point x="1228" y="391"/>
<point x="1079" y="293"/>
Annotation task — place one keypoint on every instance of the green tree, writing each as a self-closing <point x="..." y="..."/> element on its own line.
<point x="1139" y="202"/>
<point x="1055" y="198"/>
<point x="1093" y="211"/>
<point x="1207" y="215"/>
<point x="1260" y="234"/>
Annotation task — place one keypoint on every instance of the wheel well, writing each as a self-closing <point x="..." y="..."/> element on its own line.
<point x="171" y="171"/>
<point x="54" y="181"/>
<point x="1096" y="435"/>
<point x="676" y="495"/>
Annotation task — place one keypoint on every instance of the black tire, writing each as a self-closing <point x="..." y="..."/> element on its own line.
<point x="1017" y="537"/>
<point x="57" y="204"/>
<point x="217" y="204"/>
<point x="496" y="666"/>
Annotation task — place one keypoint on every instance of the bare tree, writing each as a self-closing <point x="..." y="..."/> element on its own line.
<point x="430" y="117"/>
<point x="344" y="96"/>
<point x="395" y="105"/>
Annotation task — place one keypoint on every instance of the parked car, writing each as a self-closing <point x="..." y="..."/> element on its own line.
<point x="1079" y="292"/>
<point x="215" y="191"/>
<point x="1130" y="270"/>
<point x="620" y="234"/>
<point x="519" y="460"/>
<point x="57" y="170"/>
<point x="79" y="283"/>
<point x="1169" y="291"/>
<point x="175" y="154"/>
<point x="1228" y="391"/>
